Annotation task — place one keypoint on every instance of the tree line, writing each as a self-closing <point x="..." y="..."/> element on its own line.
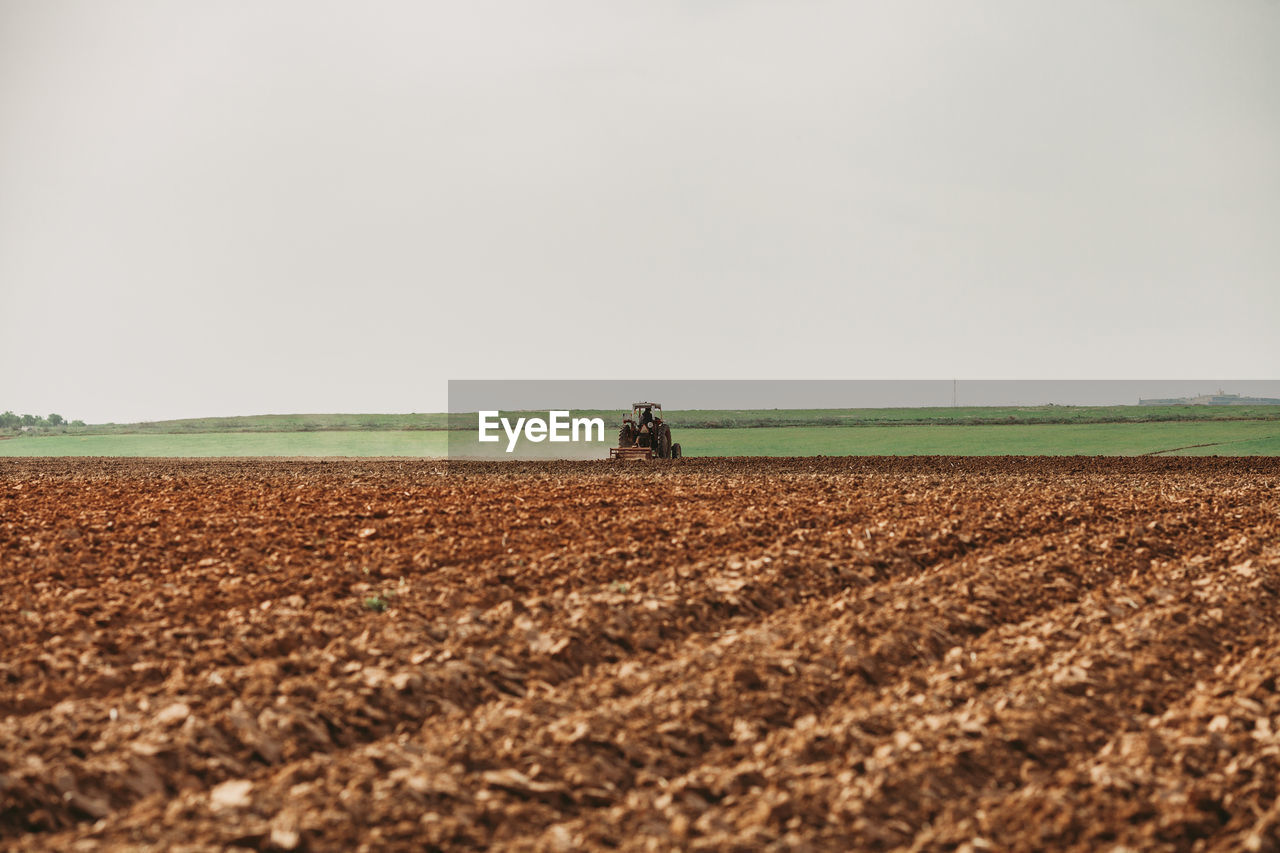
<point x="9" y="420"/>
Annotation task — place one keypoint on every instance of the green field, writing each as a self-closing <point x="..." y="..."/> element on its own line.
<point x="1245" y="438"/>
<point x="266" y="423"/>
<point x="1265" y="446"/>
<point x="372" y="443"/>
<point x="1227" y="438"/>
<point x="963" y="416"/>
<point x="692" y="419"/>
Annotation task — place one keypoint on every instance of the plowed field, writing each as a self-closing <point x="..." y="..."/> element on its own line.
<point x="926" y="653"/>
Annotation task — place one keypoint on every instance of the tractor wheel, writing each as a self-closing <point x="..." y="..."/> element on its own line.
<point x="675" y="451"/>
<point x="664" y="443"/>
<point x="624" y="436"/>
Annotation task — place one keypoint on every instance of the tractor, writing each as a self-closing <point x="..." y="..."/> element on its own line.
<point x="644" y="435"/>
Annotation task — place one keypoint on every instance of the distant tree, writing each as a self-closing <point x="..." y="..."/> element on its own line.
<point x="8" y="420"/>
<point x="55" y="420"/>
<point x="30" y="420"/>
<point x="77" y="423"/>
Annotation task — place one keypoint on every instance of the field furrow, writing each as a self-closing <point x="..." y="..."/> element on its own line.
<point x="721" y="654"/>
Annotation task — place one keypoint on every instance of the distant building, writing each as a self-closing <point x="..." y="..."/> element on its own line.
<point x="1219" y="399"/>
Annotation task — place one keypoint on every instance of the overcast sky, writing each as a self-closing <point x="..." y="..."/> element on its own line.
<point x="476" y="395"/>
<point x="249" y="207"/>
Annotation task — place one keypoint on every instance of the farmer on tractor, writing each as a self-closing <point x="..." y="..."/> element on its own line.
<point x="646" y="420"/>
<point x="644" y="435"/>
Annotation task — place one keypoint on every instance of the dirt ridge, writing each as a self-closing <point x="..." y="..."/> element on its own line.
<point x="900" y="653"/>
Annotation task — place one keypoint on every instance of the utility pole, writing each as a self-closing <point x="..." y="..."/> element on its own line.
<point x="954" y="382"/>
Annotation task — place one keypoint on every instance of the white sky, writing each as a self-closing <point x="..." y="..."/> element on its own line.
<point x="247" y="207"/>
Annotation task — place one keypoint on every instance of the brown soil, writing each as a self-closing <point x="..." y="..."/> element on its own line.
<point x="708" y="654"/>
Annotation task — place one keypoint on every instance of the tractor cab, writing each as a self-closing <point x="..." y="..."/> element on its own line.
<point x="645" y="414"/>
